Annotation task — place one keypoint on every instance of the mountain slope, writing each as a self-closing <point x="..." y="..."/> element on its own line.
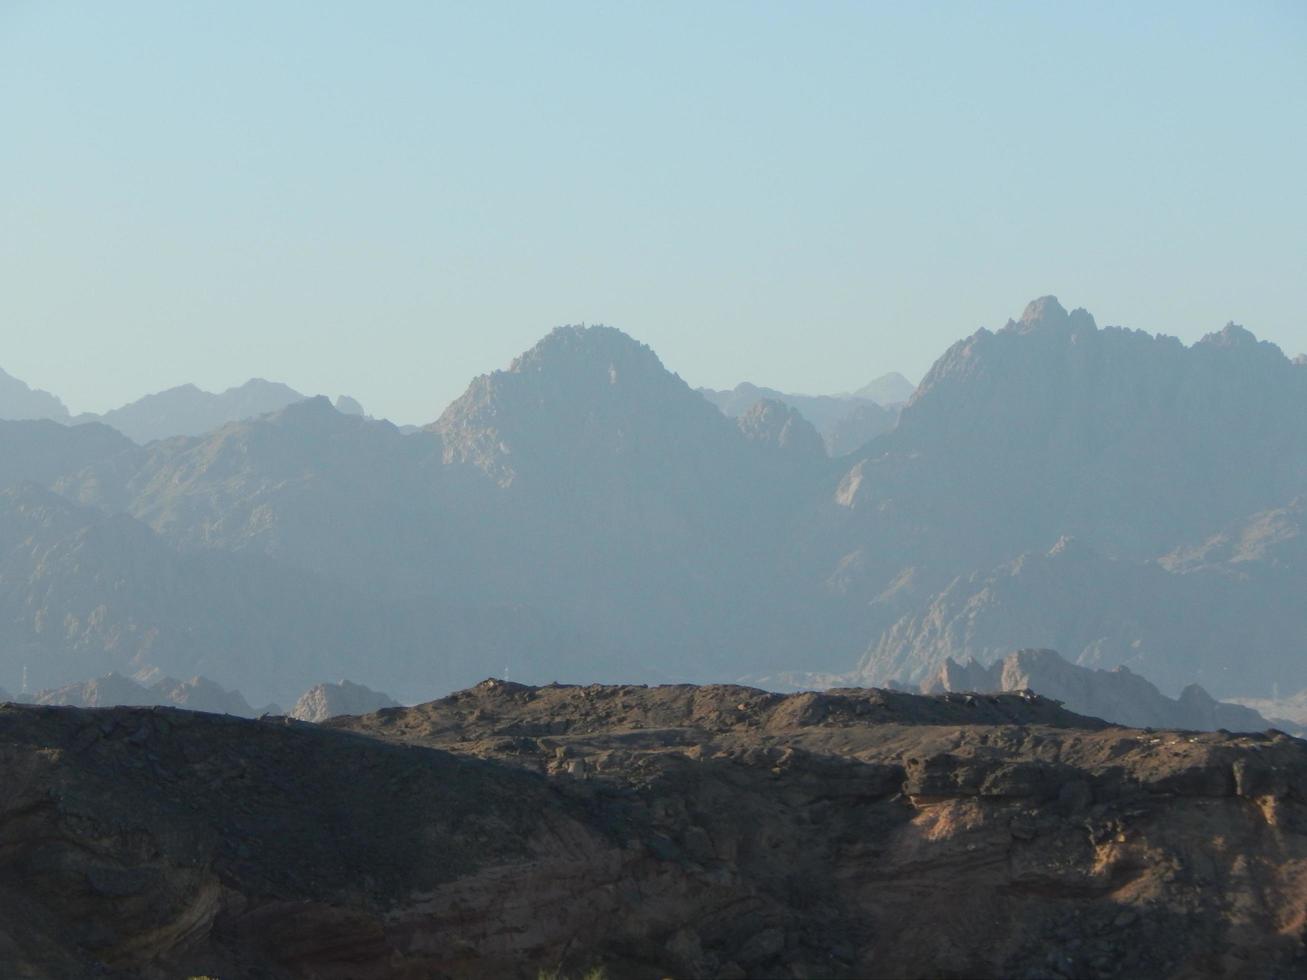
<point x="862" y="833"/>
<point x="1132" y="444"/>
<point x="1226" y="613"/>
<point x="83" y="594"/>
<point x="18" y="401"/>
<point x="42" y="451"/>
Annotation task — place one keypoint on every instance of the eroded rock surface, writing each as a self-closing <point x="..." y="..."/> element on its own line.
<point x="675" y="831"/>
<point x="323" y="701"/>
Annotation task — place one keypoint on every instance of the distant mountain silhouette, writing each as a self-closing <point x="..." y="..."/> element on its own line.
<point x="1051" y="427"/>
<point x="196" y="694"/>
<point x="845" y="422"/>
<point x="84" y="593"/>
<point x="1193" y="615"/>
<point x="586" y="515"/>
<point x="189" y="411"/>
<point x="1118" y="696"/>
<point x="888" y="389"/>
<point x="18" y="401"/>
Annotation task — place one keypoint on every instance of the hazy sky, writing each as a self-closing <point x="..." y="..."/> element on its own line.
<point x="387" y="199"/>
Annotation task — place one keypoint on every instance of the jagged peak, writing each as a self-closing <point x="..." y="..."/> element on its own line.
<point x="579" y="342"/>
<point x="1231" y="335"/>
<point x="1046" y="314"/>
<point x="1234" y="336"/>
<point x="1044" y="310"/>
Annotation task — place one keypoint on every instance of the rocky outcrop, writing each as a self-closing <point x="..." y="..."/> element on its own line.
<point x="323" y="701"/>
<point x="715" y="832"/>
<point x="1118" y="696"/>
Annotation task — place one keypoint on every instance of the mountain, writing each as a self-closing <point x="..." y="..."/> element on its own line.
<point x="18" y="401"/>
<point x="585" y="514"/>
<point x="845" y="422"/>
<point x="638" y="503"/>
<point x="888" y="389"/>
<point x="1222" y="613"/>
<point x="112" y="690"/>
<point x="189" y="411"/>
<point x="323" y="701"/>
<point x="42" y="451"/>
<point x="84" y="593"/>
<point x="1051" y="427"/>
<point x="1119" y="696"/>
<point x="330" y="493"/>
<point x="1065" y="429"/>
<point x="1290" y="712"/>
<point x="781" y="427"/>
<point x="514" y="831"/>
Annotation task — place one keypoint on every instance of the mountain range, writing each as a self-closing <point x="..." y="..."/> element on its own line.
<point x="585" y="514"/>
<point x="182" y="411"/>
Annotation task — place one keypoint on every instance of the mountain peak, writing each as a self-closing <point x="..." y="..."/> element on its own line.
<point x="888" y="389"/>
<point x="596" y="344"/>
<point x="1230" y="336"/>
<point x="1047" y="314"/>
<point x="1045" y="310"/>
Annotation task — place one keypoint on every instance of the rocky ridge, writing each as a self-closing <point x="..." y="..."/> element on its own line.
<point x="717" y="831"/>
<point x="1118" y="696"/>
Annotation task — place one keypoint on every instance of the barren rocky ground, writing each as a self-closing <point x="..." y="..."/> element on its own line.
<point x="676" y="831"/>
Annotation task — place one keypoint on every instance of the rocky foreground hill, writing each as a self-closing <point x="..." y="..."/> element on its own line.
<point x="674" y="831"/>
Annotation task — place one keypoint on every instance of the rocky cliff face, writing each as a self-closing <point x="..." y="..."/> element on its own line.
<point x="1118" y="696"/>
<point x="323" y="701"/>
<point x="717" y="832"/>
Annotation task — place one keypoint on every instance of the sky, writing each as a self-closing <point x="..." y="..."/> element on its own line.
<point x="388" y="199"/>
